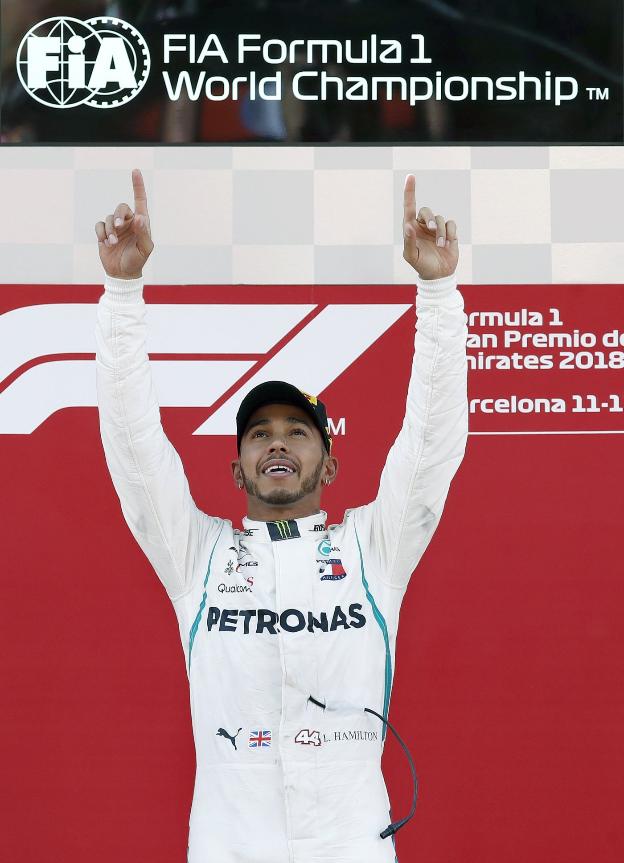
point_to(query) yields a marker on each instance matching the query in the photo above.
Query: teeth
(280, 468)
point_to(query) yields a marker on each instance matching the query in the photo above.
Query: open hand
(429, 243)
(124, 238)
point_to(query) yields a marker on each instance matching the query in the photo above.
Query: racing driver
(288, 626)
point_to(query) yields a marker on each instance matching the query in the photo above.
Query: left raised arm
(430, 446)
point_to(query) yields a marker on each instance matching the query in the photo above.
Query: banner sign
(360, 73)
(547, 358)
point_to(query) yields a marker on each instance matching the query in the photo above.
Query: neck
(259, 510)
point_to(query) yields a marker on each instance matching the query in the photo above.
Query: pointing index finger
(140, 196)
(409, 198)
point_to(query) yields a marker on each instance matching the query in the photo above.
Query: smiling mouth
(278, 471)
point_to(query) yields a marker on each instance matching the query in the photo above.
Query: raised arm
(430, 446)
(145, 468)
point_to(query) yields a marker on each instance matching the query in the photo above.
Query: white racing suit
(280, 611)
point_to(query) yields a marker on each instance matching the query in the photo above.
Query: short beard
(282, 496)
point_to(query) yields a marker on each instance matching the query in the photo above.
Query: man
(288, 627)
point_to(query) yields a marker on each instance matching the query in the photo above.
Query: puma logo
(223, 733)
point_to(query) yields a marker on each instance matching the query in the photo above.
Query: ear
(237, 473)
(330, 470)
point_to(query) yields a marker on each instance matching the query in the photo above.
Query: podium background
(510, 654)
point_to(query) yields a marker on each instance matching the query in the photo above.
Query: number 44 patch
(308, 738)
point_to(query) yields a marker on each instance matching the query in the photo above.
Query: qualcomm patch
(332, 570)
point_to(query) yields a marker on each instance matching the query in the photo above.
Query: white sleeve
(431, 444)
(145, 468)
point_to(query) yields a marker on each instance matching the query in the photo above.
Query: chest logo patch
(326, 548)
(331, 569)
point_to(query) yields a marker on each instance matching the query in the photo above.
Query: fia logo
(63, 62)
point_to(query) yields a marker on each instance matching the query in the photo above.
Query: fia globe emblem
(63, 62)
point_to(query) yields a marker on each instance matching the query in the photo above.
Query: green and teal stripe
(384, 631)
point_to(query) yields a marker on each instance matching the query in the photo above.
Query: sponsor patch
(235, 588)
(326, 548)
(331, 570)
(221, 732)
(260, 620)
(279, 530)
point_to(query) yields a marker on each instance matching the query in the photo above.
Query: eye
(257, 432)
(299, 431)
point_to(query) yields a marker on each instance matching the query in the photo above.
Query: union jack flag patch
(259, 738)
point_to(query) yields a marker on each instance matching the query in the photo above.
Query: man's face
(282, 456)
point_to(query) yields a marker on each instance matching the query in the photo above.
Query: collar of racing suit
(310, 527)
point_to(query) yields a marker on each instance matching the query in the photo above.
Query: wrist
(125, 277)
(434, 289)
(124, 290)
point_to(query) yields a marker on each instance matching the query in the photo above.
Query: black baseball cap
(282, 393)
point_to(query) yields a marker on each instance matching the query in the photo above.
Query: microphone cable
(392, 828)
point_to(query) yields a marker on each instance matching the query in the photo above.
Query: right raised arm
(124, 237)
(145, 468)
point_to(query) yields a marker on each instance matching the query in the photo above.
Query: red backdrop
(510, 655)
